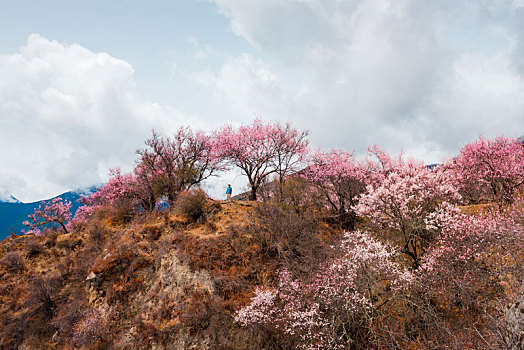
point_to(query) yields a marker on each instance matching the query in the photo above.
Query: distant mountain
(13, 212)
(8, 199)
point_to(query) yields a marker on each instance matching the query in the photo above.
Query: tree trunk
(171, 198)
(253, 193)
(63, 226)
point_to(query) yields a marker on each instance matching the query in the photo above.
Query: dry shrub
(97, 231)
(420, 320)
(120, 291)
(33, 246)
(204, 316)
(210, 227)
(12, 261)
(151, 232)
(118, 256)
(191, 204)
(50, 239)
(69, 243)
(117, 269)
(64, 266)
(409, 323)
(12, 330)
(512, 330)
(290, 239)
(202, 322)
(299, 195)
(39, 308)
(296, 194)
(41, 295)
(144, 331)
(114, 216)
(69, 314)
(196, 310)
(64, 244)
(79, 267)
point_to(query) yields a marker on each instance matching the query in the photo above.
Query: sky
(82, 83)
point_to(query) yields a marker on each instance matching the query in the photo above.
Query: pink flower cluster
(493, 168)
(118, 191)
(406, 196)
(260, 150)
(54, 212)
(88, 330)
(261, 309)
(338, 175)
(465, 243)
(341, 291)
(416, 211)
(402, 201)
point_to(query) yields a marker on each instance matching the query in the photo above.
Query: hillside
(159, 281)
(384, 253)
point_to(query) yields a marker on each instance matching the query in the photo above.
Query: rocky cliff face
(514, 322)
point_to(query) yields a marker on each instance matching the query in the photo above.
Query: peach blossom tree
(54, 212)
(401, 202)
(338, 176)
(335, 308)
(177, 163)
(261, 149)
(494, 169)
(119, 192)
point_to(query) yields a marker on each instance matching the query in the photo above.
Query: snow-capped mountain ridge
(8, 198)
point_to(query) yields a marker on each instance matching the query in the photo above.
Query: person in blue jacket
(229, 190)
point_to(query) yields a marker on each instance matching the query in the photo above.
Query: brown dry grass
(161, 280)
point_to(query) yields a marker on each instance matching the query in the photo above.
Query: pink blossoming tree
(260, 150)
(378, 164)
(402, 201)
(119, 193)
(177, 163)
(338, 176)
(144, 186)
(335, 307)
(54, 212)
(490, 169)
(291, 149)
(465, 257)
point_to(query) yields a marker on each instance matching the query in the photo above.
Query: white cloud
(67, 115)
(420, 76)
(242, 84)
